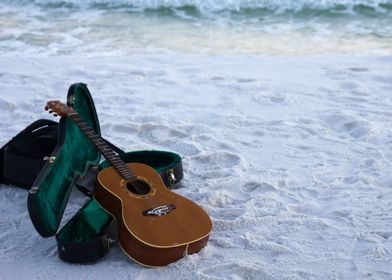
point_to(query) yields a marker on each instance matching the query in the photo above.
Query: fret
(98, 141)
(77, 118)
(111, 154)
(90, 132)
(101, 145)
(82, 125)
(123, 169)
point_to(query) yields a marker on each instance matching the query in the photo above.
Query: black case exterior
(172, 176)
(23, 157)
(89, 251)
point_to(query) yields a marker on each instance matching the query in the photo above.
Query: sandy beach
(290, 156)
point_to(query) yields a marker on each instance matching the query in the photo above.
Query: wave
(224, 5)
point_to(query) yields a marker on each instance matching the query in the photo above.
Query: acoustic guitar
(155, 225)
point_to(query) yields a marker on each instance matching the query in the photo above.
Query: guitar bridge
(160, 210)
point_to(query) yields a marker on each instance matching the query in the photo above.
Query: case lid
(72, 156)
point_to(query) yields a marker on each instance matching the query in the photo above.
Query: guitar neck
(115, 161)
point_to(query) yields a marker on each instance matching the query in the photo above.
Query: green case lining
(86, 225)
(73, 155)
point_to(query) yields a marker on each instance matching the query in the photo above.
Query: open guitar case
(88, 235)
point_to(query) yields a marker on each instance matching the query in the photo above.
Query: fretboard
(115, 161)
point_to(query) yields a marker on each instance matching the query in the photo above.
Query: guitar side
(155, 228)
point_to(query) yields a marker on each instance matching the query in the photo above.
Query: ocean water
(228, 27)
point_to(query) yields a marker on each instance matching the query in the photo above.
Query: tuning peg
(46, 108)
(50, 112)
(55, 115)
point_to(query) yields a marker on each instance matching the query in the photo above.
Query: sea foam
(230, 5)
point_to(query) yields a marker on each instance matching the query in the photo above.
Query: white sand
(291, 157)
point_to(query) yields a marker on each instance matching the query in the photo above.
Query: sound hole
(138, 187)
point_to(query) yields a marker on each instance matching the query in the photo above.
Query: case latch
(71, 100)
(34, 190)
(108, 242)
(51, 159)
(171, 177)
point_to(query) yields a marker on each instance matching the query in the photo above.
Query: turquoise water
(100, 27)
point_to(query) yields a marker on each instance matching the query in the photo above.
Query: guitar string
(113, 159)
(103, 148)
(84, 127)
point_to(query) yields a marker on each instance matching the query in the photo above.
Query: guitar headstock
(58, 108)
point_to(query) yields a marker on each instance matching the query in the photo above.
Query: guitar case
(73, 160)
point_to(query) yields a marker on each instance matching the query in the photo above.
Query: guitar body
(155, 225)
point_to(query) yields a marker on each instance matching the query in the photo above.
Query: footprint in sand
(155, 73)
(219, 164)
(305, 148)
(354, 88)
(339, 74)
(245, 80)
(237, 120)
(6, 106)
(234, 271)
(384, 234)
(387, 80)
(220, 159)
(125, 129)
(159, 133)
(347, 125)
(277, 98)
(268, 97)
(137, 75)
(218, 78)
(257, 187)
(227, 214)
(184, 148)
(359, 69)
